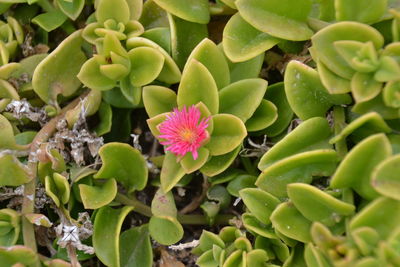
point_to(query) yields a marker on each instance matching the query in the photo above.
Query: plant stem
(194, 219)
(196, 202)
(339, 123)
(29, 189)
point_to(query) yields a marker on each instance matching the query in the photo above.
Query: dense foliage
(255, 132)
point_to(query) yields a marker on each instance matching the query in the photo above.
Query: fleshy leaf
(170, 72)
(190, 10)
(106, 239)
(158, 99)
(7, 140)
(229, 132)
(57, 187)
(306, 95)
(182, 43)
(380, 210)
(56, 74)
(385, 178)
(117, 10)
(334, 83)
(135, 247)
(50, 20)
(171, 172)
(312, 134)
(299, 168)
(242, 98)
(290, 222)
(241, 41)
(323, 44)
(355, 10)
(391, 94)
(208, 54)
(91, 75)
(265, 115)
(260, 203)
(94, 197)
(72, 9)
(190, 165)
(283, 19)
(356, 169)
(247, 69)
(146, 65)
(198, 85)
(317, 205)
(124, 163)
(165, 230)
(364, 87)
(217, 164)
(364, 125)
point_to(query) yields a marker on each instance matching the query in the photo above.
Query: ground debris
(77, 144)
(23, 109)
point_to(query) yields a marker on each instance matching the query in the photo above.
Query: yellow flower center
(188, 135)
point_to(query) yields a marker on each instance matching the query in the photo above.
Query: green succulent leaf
(124, 163)
(388, 70)
(91, 75)
(380, 210)
(158, 100)
(7, 140)
(290, 222)
(106, 234)
(163, 204)
(242, 98)
(105, 117)
(334, 83)
(190, 165)
(276, 95)
(367, 124)
(241, 41)
(299, 168)
(247, 69)
(171, 172)
(57, 187)
(16, 255)
(317, 205)
(240, 182)
(190, 10)
(260, 203)
(170, 72)
(310, 135)
(117, 10)
(50, 20)
(385, 178)
(208, 54)
(306, 95)
(165, 230)
(364, 87)
(323, 44)
(229, 132)
(356, 169)
(135, 247)
(182, 43)
(71, 8)
(252, 224)
(217, 164)
(153, 15)
(94, 197)
(56, 74)
(314, 257)
(9, 228)
(391, 94)
(282, 19)
(265, 115)
(355, 10)
(198, 85)
(146, 65)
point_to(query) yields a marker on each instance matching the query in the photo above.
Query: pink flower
(183, 132)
